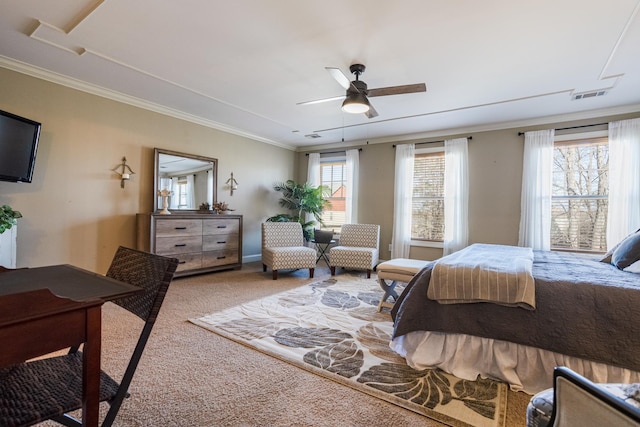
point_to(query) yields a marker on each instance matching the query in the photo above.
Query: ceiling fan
(356, 98)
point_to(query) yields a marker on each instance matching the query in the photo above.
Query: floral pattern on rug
(333, 328)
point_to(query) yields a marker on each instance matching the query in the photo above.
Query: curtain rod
(332, 152)
(431, 142)
(573, 127)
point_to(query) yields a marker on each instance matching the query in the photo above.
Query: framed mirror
(190, 180)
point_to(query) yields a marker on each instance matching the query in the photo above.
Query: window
(181, 191)
(333, 175)
(427, 213)
(579, 197)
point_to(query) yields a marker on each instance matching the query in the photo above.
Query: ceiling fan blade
(372, 112)
(397, 90)
(337, 74)
(318, 101)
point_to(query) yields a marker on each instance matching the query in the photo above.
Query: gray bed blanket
(584, 308)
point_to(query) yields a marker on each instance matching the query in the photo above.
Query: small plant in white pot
(8, 218)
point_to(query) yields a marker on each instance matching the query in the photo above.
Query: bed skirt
(524, 368)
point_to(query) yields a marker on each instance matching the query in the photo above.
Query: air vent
(312, 136)
(585, 95)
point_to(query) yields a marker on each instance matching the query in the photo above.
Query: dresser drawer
(178, 245)
(221, 257)
(189, 261)
(217, 242)
(178, 227)
(220, 226)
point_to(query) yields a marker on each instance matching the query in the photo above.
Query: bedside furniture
(202, 242)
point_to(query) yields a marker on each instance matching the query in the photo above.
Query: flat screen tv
(18, 147)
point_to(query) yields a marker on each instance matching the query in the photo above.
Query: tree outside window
(579, 202)
(427, 217)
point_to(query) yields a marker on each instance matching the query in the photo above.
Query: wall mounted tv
(18, 146)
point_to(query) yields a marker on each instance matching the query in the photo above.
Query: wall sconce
(125, 172)
(232, 183)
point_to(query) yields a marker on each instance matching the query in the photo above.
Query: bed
(586, 316)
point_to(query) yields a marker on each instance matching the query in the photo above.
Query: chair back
(578, 402)
(151, 272)
(282, 234)
(360, 235)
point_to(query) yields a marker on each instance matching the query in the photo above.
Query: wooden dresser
(202, 242)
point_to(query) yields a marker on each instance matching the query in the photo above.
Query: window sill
(427, 244)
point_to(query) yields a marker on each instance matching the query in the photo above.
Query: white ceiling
(243, 65)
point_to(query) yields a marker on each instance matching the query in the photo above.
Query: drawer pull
(180, 228)
(222, 226)
(224, 241)
(180, 244)
(182, 262)
(221, 257)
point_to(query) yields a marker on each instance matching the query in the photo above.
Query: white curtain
(403, 193)
(191, 189)
(535, 206)
(351, 202)
(210, 188)
(456, 195)
(173, 200)
(624, 180)
(313, 178)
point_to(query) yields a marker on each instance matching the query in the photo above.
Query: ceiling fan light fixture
(355, 103)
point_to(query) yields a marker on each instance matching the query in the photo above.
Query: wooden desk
(46, 309)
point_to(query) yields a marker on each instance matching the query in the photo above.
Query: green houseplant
(301, 199)
(8, 218)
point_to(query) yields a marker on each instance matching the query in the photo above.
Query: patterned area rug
(332, 328)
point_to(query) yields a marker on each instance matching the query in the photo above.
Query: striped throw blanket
(485, 273)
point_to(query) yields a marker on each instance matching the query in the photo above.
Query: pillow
(627, 252)
(633, 268)
(607, 257)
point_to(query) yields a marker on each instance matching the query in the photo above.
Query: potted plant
(8, 218)
(301, 199)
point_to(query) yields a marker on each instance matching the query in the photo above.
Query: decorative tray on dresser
(202, 242)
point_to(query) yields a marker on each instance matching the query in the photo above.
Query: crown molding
(50, 76)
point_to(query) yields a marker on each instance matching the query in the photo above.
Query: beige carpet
(191, 377)
(331, 327)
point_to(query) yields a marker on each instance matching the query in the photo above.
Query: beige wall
(75, 211)
(495, 179)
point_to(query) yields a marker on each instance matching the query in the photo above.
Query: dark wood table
(46, 309)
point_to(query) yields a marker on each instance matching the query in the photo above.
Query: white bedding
(526, 368)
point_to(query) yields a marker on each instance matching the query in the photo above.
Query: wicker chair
(357, 248)
(49, 388)
(283, 248)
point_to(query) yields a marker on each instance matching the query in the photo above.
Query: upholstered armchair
(357, 248)
(283, 248)
(574, 401)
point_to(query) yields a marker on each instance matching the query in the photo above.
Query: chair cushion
(289, 257)
(401, 266)
(540, 408)
(353, 257)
